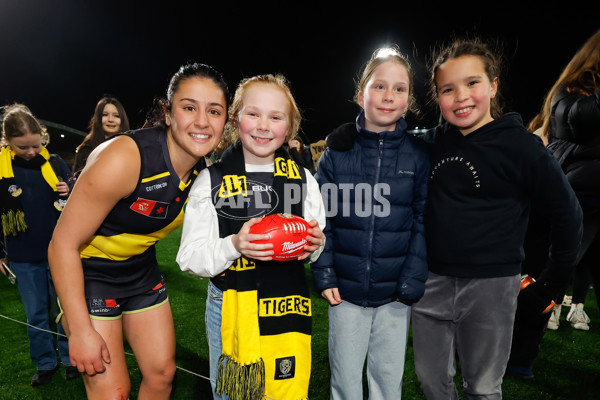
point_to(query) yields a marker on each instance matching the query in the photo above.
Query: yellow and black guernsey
(266, 315)
(120, 259)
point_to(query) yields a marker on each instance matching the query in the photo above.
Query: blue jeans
(39, 299)
(212, 321)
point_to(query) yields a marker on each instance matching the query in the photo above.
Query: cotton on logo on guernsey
(156, 186)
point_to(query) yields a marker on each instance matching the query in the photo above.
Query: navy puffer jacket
(374, 187)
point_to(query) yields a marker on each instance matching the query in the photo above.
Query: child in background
(486, 170)
(32, 195)
(374, 264)
(273, 356)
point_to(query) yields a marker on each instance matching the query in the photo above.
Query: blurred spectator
(571, 124)
(32, 196)
(109, 119)
(301, 154)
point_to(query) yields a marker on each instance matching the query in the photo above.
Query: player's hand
(88, 352)
(242, 242)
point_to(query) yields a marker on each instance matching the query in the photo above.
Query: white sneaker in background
(553, 322)
(567, 301)
(578, 318)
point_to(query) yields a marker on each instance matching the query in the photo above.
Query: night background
(60, 57)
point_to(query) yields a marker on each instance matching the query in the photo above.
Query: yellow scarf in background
(11, 210)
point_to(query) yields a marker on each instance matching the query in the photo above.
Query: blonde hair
(18, 121)
(581, 76)
(232, 133)
(381, 56)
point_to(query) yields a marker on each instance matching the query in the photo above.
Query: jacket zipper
(372, 225)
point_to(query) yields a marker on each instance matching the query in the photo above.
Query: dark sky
(59, 57)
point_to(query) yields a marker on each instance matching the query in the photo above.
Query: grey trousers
(470, 318)
(379, 334)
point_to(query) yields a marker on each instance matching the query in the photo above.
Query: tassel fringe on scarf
(243, 382)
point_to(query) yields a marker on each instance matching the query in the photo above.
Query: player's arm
(111, 173)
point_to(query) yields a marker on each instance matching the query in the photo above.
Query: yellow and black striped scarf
(266, 317)
(13, 217)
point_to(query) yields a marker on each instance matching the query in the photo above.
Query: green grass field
(568, 366)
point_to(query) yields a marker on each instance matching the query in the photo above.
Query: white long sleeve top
(202, 252)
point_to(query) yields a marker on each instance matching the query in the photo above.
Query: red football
(288, 234)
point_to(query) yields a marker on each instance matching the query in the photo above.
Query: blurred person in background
(109, 119)
(33, 190)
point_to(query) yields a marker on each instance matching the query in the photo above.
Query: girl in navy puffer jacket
(373, 178)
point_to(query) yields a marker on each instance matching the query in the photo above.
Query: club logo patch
(60, 204)
(14, 190)
(285, 368)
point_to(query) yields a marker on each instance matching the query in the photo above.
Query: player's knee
(169, 371)
(113, 394)
(113, 391)
(120, 395)
(163, 374)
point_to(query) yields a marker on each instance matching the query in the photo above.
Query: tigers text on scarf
(13, 218)
(267, 314)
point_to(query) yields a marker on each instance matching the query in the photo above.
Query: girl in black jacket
(486, 171)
